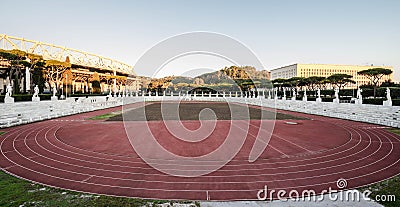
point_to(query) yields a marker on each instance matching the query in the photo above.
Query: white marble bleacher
(376, 114)
(26, 112)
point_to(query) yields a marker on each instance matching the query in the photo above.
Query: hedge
(381, 92)
(84, 95)
(379, 101)
(367, 92)
(324, 93)
(376, 101)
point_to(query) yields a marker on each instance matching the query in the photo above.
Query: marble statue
(294, 94)
(46, 85)
(359, 96)
(284, 94)
(318, 100)
(388, 102)
(54, 97)
(35, 97)
(305, 94)
(336, 100)
(336, 92)
(36, 91)
(8, 98)
(8, 90)
(388, 97)
(54, 91)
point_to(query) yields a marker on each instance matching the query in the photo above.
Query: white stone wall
(26, 112)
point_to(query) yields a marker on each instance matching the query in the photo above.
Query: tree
(16, 88)
(265, 83)
(389, 83)
(295, 81)
(279, 82)
(31, 62)
(36, 62)
(17, 61)
(323, 84)
(340, 80)
(56, 70)
(38, 78)
(313, 82)
(374, 75)
(96, 83)
(67, 78)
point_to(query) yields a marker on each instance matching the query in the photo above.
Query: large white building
(325, 70)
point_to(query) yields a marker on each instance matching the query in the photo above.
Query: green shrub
(373, 101)
(379, 101)
(84, 95)
(381, 92)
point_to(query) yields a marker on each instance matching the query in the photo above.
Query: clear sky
(279, 32)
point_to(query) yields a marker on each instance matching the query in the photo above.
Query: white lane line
(283, 154)
(8, 167)
(133, 162)
(225, 176)
(8, 151)
(236, 170)
(86, 179)
(264, 130)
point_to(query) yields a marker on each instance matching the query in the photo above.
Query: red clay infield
(96, 157)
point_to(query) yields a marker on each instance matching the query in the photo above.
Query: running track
(96, 157)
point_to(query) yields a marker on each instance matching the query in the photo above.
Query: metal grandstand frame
(60, 53)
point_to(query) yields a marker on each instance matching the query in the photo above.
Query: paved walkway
(326, 202)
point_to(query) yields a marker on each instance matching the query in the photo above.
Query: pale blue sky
(279, 32)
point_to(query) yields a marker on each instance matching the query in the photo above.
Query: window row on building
(326, 70)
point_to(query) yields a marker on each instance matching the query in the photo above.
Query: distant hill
(227, 74)
(226, 79)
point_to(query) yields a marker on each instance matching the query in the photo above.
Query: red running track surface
(96, 157)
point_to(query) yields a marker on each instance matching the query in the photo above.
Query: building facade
(326, 70)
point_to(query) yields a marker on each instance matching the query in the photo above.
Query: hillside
(229, 78)
(228, 74)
